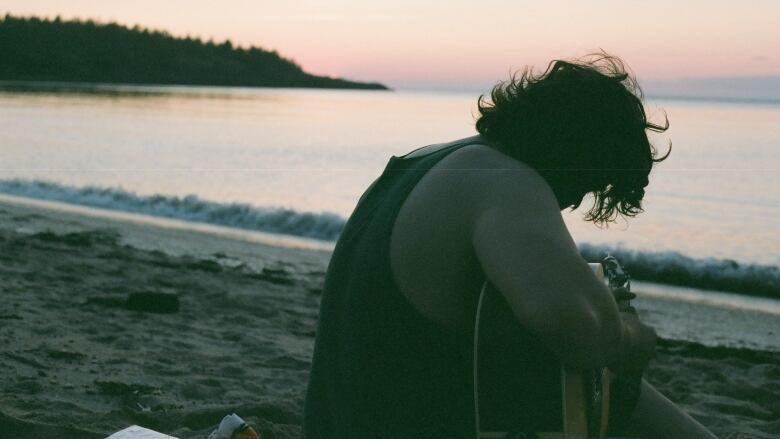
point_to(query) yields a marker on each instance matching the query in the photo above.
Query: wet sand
(81, 361)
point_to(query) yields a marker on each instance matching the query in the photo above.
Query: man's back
(385, 366)
(432, 247)
(378, 364)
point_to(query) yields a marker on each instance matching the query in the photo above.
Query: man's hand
(623, 298)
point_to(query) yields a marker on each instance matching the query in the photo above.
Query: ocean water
(296, 161)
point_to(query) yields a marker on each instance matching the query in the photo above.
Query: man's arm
(526, 252)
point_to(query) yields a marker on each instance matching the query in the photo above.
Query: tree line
(35, 49)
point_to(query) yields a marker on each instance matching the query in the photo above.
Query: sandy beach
(84, 355)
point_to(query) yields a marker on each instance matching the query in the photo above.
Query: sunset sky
(464, 44)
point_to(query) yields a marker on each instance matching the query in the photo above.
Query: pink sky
(460, 44)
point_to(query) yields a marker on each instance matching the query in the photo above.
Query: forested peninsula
(35, 49)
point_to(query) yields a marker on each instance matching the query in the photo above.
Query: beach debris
(233, 427)
(138, 432)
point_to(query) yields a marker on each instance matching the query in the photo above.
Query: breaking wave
(673, 268)
(323, 226)
(666, 267)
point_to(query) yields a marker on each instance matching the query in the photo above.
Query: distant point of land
(44, 50)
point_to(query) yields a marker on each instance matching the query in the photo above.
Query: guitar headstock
(617, 277)
(619, 281)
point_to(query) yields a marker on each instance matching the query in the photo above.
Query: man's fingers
(621, 293)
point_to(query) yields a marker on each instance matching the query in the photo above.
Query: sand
(78, 362)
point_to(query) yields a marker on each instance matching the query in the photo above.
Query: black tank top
(382, 370)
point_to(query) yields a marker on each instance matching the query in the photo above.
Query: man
(393, 356)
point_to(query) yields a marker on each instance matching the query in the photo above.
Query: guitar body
(585, 401)
(585, 396)
(518, 378)
(521, 387)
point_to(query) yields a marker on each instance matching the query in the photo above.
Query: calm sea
(234, 156)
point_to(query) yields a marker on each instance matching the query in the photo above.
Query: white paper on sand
(138, 432)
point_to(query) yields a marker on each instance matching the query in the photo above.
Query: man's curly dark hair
(581, 125)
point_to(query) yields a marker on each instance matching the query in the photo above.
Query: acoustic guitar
(502, 347)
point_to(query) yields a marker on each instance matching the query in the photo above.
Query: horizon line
(135, 88)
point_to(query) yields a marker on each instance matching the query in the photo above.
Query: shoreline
(81, 363)
(135, 223)
(724, 280)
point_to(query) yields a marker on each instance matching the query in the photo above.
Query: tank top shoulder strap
(437, 149)
(402, 172)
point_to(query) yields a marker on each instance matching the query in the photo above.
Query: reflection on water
(24, 89)
(304, 149)
(317, 150)
(61, 88)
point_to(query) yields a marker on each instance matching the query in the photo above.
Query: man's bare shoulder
(461, 220)
(487, 158)
(493, 178)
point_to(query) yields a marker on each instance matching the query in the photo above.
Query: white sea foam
(324, 226)
(674, 268)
